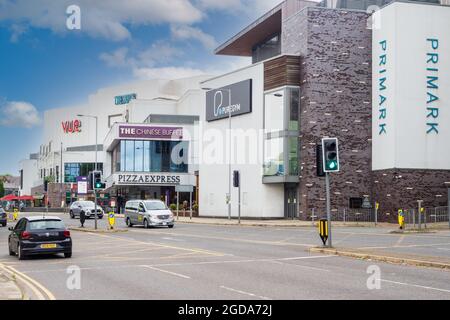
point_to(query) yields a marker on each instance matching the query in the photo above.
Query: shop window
(355, 203)
(153, 156)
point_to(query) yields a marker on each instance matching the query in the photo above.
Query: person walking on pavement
(82, 218)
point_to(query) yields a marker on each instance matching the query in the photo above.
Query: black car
(39, 235)
(3, 218)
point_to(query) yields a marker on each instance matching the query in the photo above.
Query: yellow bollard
(111, 220)
(401, 219)
(15, 214)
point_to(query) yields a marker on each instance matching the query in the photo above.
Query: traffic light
(319, 161)
(330, 155)
(96, 180)
(236, 179)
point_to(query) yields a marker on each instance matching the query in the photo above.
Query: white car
(148, 213)
(88, 207)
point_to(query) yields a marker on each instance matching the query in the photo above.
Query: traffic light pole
(327, 187)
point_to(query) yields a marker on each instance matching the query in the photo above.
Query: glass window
(274, 111)
(155, 205)
(294, 108)
(179, 156)
(138, 156)
(155, 156)
(74, 170)
(146, 156)
(129, 156)
(274, 157)
(122, 156)
(46, 225)
(267, 49)
(293, 156)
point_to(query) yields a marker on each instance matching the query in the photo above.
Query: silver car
(88, 207)
(148, 213)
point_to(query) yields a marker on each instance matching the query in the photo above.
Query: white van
(148, 213)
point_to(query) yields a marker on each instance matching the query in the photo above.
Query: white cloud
(17, 30)
(168, 73)
(187, 33)
(158, 52)
(117, 58)
(100, 18)
(19, 114)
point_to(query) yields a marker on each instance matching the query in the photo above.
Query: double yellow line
(40, 292)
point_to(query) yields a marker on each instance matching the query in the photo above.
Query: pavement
(211, 261)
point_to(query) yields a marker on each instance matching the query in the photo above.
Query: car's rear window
(46, 225)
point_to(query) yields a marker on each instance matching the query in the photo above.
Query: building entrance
(291, 202)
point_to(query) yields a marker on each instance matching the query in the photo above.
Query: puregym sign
(235, 99)
(411, 74)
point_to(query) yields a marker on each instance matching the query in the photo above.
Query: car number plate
(164, 223)
(48, 246)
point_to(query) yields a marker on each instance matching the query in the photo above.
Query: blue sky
(44, 65)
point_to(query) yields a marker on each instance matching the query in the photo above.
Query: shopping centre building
(374, 77)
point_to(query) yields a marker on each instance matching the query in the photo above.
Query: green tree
(2, 189)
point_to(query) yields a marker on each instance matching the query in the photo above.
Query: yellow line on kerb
(38, 289)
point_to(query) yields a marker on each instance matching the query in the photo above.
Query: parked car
(3, 218)
(39, 235)
(148, 213)
(88, 207)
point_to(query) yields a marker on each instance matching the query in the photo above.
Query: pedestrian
(82, 218)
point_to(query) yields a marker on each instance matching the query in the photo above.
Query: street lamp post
(229, 153)
(96, 160)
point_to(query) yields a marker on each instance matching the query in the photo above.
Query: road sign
(323, 230)
(181, 188)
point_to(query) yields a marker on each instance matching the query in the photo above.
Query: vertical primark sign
(410, 105)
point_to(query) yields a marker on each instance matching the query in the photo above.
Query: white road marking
(168, 272)
(443, 249)
(408, 246)
(245, 293)
(415, 285)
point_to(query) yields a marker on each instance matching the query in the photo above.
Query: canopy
(12, 197)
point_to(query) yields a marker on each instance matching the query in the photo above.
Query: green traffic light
(332, 165)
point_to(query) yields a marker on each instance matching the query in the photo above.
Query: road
(195, 261)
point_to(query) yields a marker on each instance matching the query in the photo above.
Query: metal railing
(346, 215)
(429, 216)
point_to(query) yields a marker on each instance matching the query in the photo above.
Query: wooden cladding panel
(281, 72)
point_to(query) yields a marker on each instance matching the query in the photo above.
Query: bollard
(111, 220)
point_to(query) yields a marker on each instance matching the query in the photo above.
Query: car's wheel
(4, 224)
(100, 217)
(11, 253)
(72, 216)
(20, 254)
(146, 225)
(170, 227)
(129, 224)
(68, 255)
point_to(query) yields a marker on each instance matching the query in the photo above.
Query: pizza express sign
(235, 99)
(135, 179)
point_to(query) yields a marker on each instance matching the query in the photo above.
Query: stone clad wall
(336, 89)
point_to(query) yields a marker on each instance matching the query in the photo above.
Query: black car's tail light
(26, 235)
(67, 233)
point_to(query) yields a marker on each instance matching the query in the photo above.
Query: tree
(2, 189)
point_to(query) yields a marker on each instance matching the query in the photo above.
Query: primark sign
(411, 77)
(235, 99)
